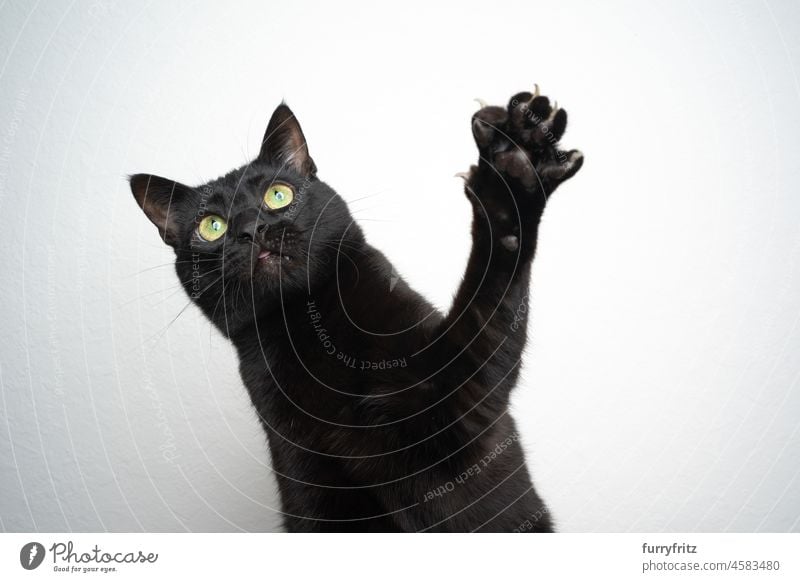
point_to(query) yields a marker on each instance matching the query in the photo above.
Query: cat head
(249, 239)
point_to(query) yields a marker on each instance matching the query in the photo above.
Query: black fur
(381, 413)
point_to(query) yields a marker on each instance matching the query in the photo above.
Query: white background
(660, 390)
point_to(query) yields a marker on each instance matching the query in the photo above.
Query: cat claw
(553, 111)
(481, 102)
(463, 175)
(535, 94)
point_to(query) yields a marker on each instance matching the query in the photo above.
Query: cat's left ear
(285, 144)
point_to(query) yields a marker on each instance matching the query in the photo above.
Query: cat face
(262, 232)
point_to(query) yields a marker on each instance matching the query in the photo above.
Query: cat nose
(251, 225)
(248, 225)
(247, 232)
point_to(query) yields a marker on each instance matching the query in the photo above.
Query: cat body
(381, 413)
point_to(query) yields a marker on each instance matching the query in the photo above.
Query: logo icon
(31, 555)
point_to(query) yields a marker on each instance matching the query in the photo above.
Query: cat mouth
(272, 259)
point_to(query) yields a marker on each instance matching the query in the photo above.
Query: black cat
(381, 413)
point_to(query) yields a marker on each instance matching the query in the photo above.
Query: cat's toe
(488, 125)
(564, 167)
(551, 130)
(526, 110)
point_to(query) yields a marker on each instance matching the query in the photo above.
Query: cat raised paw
(521, 142)
(520, 166)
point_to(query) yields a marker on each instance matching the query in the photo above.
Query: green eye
(278, 196)
(211, 228)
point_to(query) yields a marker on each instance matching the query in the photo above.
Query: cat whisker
(341, 242)
(173, 263)
(366, 197)
(206, 254)
(174, 288)
(151, 293)
(164, 330)
(216, 305)
(360, 210)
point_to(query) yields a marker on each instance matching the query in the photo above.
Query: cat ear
(285, 144)
(161, 200)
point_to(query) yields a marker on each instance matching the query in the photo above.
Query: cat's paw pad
(510, 242)
(521, 141)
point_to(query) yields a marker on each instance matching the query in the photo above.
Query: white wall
(660, 391)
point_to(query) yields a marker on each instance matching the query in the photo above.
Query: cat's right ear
(160, 199)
